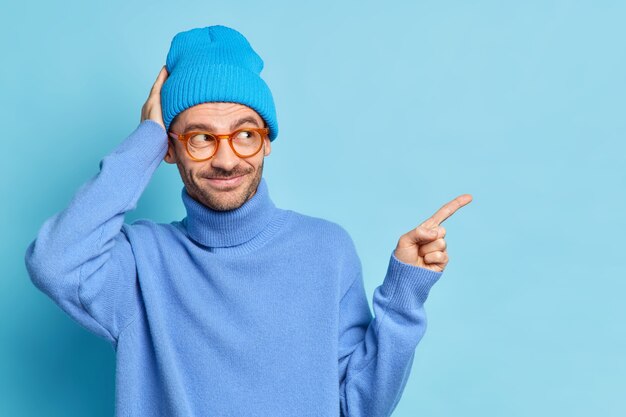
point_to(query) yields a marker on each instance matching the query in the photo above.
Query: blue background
(386, 112)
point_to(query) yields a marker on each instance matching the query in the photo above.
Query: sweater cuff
(407, 286)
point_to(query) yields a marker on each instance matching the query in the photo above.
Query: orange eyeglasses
(201, 145)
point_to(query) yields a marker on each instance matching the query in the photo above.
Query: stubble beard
(223, 200)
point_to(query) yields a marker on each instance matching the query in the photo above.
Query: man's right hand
(152, 107)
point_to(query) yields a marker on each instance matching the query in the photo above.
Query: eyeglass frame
(184, 138)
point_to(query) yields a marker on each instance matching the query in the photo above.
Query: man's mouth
(229, 182)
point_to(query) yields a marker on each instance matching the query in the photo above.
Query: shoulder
(331, 244)
(318, 224)
(320, 229)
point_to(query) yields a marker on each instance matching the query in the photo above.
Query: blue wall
(386, 112)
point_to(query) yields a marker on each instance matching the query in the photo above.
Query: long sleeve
(376, 354)
(81, 257)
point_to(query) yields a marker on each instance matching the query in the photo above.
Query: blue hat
(215, 63)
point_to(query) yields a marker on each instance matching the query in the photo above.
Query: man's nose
(224, 157)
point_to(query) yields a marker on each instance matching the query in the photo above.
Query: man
(241, 308)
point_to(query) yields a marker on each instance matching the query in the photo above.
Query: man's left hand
(425, 245)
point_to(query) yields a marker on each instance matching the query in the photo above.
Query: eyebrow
(233, 126)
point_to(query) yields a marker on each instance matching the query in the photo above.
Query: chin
(218, 204)
(228, 199)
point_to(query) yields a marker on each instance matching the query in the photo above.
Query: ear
(268, 146)
(170, 156)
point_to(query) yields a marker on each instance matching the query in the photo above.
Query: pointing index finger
(448, 210)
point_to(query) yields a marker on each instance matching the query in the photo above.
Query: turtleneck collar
(228, 228)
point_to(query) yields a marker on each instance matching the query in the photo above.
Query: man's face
(225, 181)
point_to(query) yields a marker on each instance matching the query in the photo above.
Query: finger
(422, 235)
(438, 257)
(434, 246)
(441, 231)
(447, 210)
(156, 87)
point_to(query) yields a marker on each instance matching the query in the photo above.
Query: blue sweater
(258, 311)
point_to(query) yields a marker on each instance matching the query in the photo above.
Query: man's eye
(201, 139)
(244, 134)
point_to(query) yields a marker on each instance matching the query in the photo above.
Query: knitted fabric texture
(254, 312)
(215, 64)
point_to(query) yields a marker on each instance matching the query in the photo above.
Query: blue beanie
(215, 63)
